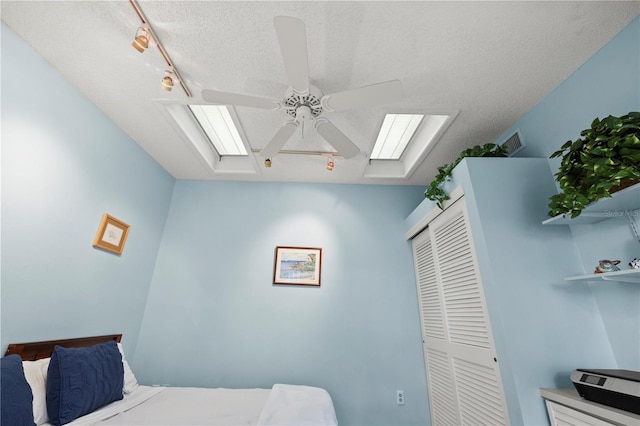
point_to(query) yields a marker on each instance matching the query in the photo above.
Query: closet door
(462, 371)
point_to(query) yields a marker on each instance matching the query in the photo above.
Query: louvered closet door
(462, 374)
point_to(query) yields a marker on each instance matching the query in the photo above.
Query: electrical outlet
(400, 397)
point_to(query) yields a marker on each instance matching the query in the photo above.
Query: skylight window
(405, 140)
(219, 127)
(394, 136)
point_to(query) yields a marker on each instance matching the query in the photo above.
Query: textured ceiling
(491, 61)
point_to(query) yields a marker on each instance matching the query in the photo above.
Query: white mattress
(284, 404)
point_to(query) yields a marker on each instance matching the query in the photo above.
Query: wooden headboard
(37, 350)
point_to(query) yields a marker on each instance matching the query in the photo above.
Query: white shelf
(603, 209)
(626, 275)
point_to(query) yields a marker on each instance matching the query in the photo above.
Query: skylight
(219, 127)
(405, 140)
(394, 136)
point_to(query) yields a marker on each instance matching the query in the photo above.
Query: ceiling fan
(304, 102)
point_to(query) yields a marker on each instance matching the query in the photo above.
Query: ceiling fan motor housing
(293, 100)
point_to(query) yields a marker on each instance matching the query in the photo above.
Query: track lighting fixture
(330, 164)
(167, 83)
(169, 80)
(143, 38)
(267, 163)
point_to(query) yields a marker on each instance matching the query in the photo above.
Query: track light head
(169, 79)
(140, 43)
(143, 39)
(330, 164)
(167, 83)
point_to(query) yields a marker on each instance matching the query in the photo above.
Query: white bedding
(133, 399)
(297, 405)
(281, 405)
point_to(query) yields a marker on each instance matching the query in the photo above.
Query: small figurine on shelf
(635, 263)
(606, 266)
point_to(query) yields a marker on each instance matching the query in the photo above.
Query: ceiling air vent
(513, 144)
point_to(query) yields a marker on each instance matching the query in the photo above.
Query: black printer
(615, 388)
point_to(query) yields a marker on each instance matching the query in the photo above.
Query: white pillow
(36, 374)
(130, 382)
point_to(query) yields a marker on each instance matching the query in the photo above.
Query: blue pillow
(16, 398)
(81, 380)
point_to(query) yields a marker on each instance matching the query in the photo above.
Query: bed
(87, 381)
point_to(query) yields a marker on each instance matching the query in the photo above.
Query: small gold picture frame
(112, 234)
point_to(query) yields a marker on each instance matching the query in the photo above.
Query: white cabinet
(462, 372)
(559, 415)
(566, 407)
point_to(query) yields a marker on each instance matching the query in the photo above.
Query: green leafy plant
(604, 159)
(434, 190)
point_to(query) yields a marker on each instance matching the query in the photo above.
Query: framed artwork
(297, 266)
(112, 234)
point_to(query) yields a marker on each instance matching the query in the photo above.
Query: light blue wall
(214, 318)
(543, 328)
(608, 83)
(357, 335)
(64, 164)
(548, 327)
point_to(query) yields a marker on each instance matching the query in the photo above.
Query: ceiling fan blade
(381, 93)
(224, 98)
(293, 47)
(279, 139)
(336, 138)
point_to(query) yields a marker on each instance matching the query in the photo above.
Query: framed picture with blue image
(297, 266)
